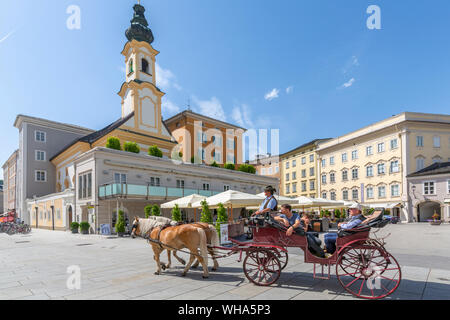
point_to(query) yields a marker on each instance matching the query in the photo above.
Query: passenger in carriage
(356, 218)
(289, 219)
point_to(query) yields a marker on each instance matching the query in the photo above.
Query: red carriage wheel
(368, 272)
(262, 267)
(283, 256)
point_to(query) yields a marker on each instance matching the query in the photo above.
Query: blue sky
(234, 59)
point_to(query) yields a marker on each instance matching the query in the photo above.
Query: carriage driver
(270, 203)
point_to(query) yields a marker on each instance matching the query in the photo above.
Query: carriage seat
(375, 220)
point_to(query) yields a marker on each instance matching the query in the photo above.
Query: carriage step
(322, 275)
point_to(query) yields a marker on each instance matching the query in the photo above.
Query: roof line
(201, 115)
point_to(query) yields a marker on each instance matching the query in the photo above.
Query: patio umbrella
(231, 199)
(185, 203)
(281, 200)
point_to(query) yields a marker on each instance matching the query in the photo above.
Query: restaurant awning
(183, 203)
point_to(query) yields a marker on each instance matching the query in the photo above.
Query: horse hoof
(205, 277)
(214, 269)
(183, 262)
(157, 273)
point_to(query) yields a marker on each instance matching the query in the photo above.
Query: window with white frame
(304, 160)
(304, 173)
(263, 171)
(344, 175)
(271, 172)
(381, 147)
(354, 154)
(324, 163)
(332, 177)
(395, 190)
(369, 171)
(41, 176)
(333, 195)
(155, 182)
(287, 176)
(40, 155)
(40, 136)
(324, 178)
(395, 167)
(311, 158)
(294, 187)
(369, 151)
(428, 188)
(312, 185)
(226, 187)
(287, 165)
(331, 161)
(419, 141)
(394, 144)
(230, 144)
(294, 175)
(420, 163)
(344, 157)
(120, 178)
(85, 186)
(382, 192)
(206, 186)
(381, 169)
(369, 192)
(324, 195)
(354, 174)
(437, 141)
(345, 194)
(277, 169)
(303, 186)
(355, 194)
(288, 188)
(180, 184)
(311, 172)
(294, 163)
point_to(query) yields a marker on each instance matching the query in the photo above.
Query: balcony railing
(124, 190)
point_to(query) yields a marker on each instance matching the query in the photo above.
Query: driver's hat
(356, 205)
(270, 189)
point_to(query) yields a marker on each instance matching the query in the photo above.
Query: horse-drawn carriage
(363, 266)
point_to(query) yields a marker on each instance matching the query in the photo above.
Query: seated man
(288, 218)
(356, 218)
(305, 223)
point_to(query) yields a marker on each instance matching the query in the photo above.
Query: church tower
(139, 93)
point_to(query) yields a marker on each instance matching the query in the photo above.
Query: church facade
(85, 181)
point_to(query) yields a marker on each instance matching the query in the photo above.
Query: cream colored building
(370, 165)
(299, 171)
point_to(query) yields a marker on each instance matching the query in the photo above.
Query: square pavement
(35, 268)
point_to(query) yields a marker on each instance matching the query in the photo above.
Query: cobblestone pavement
(35, 267)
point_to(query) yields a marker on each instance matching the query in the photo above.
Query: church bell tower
(139, 92)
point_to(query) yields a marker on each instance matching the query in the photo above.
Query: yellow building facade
(299, 171)
(370, 165)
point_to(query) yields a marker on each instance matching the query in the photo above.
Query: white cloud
(355, 61)
(289, 89)
(349, 83)
(169, 108)
(7, 36)
(210, 108)
(165, 78)
(272, 94)
(242, 116)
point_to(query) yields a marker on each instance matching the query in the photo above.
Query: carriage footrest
(322, 274)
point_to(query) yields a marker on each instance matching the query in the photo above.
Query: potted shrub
(148, 211)
(176, 214)
(84, 227)
(120, 225)
(74, 227)
(436, 220)
(156, 212)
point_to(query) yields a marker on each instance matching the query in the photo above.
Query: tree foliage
(248, 168)
(131, 147)
(206, 213)
(155, 151)
(156, 212)
(176, 214)
(113, 143)
(148, 211)
(230, 166)
(222, 217)
(120, 225)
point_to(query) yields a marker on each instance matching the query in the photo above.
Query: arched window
(145, 66)
(130, 66)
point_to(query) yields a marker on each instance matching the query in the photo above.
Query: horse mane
(146, 225)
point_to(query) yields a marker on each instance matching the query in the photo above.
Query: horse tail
(215, 242)
(203, 245)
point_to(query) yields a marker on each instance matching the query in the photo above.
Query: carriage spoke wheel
(262, 267)
(368, 272)
(283, 257)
